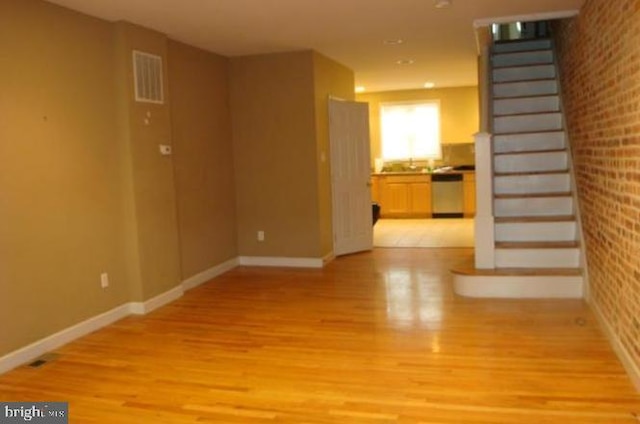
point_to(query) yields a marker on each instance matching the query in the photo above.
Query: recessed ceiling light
(442, 4)
(429, 84)
(393, 41)
(360, 89)
(405, 62)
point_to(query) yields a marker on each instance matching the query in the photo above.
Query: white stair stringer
(537, 251)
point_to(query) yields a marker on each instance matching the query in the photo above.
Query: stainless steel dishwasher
(447, 198)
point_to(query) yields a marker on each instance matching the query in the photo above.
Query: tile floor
(423, 233)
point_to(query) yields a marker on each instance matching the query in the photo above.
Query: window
(410, 130)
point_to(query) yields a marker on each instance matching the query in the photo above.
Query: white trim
(546, 16)
(281, 261)
(54, 341)
(206, 275)
(518, 287)
(633, 371)
(141, 308)
(328, 258)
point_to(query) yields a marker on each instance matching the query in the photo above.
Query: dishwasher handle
(446, 177)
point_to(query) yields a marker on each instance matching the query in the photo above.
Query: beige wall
(459, 115)
(154, 230)
(61, 208)
(202, 156)
(600, 74)
(330, 79)
(272, 98)
(84, 187)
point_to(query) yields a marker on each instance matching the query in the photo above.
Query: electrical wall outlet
(104, 280)
(260, 235)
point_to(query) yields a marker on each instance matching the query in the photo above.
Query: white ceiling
(441, 42)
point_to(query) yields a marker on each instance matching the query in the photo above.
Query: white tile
(423, 233)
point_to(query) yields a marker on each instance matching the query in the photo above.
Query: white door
(351, 176)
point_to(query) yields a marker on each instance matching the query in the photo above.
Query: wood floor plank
(377, 337)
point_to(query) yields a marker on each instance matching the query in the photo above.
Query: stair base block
(505, 284)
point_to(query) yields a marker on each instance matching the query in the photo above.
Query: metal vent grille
(147, 69)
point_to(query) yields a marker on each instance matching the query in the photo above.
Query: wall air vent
(147, 70)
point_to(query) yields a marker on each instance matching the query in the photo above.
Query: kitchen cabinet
(405, 196)
(469, 193)
(409, 195)
(375, 189)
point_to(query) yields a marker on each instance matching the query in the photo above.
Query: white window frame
(412, 153)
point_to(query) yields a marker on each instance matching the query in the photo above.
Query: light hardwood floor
(377, 337)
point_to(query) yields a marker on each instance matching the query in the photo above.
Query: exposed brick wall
(599, 58)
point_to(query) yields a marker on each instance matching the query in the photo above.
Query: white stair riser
(519, 287)
(522, 58)
(528, 142)
(523, 73)
(522, 184)
(527, 123)
(522, 46)
(538, 258)
(525, 88)
(535, 231)
(533, 206)
(526, 105)
(531, 162)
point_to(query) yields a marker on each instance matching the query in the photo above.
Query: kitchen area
(426, 202)
(420, 206)
(424, 191)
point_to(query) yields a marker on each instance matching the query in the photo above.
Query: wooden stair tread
(494, 66)
(535, 132)
(533, 195)
(529, 219)
(527, 80)
(508, 174)
(536, 244)
(529, 152)
(542, 112)
(519, 272)
(526, 132)
(528, 96)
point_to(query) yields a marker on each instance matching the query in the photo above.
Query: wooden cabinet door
(375, 189)
(397, 198)
(420, 194)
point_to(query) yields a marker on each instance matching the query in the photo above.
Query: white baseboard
(141, 308)
(34, 350)
(204, 276)
(328, 258)
(623, 354)
(281, 261)
(54, 341)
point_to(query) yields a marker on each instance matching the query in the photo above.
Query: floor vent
(44, 359)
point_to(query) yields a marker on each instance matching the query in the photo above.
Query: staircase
(537, 251)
